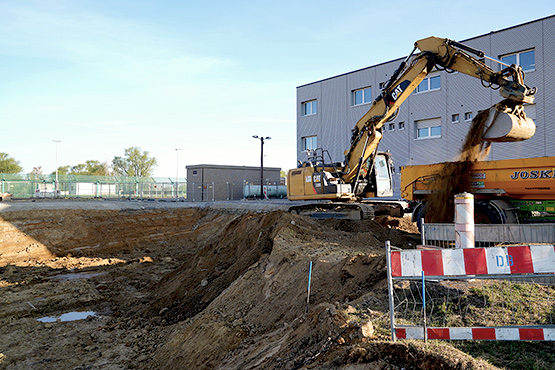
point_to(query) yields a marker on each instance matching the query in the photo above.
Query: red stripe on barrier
(531, 334)
(520, 260)
(475, 261)
(438, 333)
(432, 262)
(483, 334)
(401, 333)
(396, 264)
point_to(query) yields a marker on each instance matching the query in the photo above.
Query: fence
(44, 186)
(76, 186)
(443, 235)
(467, 294)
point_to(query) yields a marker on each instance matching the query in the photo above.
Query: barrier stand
(390, 290)
(464, 220)
(424, 306)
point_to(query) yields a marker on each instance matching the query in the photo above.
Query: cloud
(87, 38)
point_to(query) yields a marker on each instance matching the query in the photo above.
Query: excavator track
(349, 211)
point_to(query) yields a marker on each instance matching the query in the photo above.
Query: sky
(199, 76)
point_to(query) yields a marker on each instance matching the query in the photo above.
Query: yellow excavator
(339, 189)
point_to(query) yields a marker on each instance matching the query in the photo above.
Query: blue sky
(201, 76)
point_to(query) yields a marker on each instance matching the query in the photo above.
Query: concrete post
(464, 220)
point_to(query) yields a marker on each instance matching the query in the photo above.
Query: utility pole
(262, 138)
(177, 175)
(56, 183)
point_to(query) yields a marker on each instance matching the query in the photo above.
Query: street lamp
(56, 185)
(261, 163)
(177, 175)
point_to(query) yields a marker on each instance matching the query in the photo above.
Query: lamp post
(262, 138)
(56, 183)
(177, 175)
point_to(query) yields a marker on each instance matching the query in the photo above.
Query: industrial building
(210, 182)
(434, 120)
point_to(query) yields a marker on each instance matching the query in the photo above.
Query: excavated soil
(184, 288)
(453, 178)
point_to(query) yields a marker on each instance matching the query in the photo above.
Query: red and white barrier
(484, 333)
(529, 259)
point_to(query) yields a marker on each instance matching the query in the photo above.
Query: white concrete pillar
(464, 220)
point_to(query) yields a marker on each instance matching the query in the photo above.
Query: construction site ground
(177, 285)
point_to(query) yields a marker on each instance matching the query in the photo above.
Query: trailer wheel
(493, 212)
(418, 214)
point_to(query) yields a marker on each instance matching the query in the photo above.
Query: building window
(392, 126)
(310, 142)
(428, 128)
(361, 96)
(455, 118)
(525, 59)
(401, 125)
(309, 107)
(468, 116)
(429, 84)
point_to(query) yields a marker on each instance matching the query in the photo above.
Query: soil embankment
(200, 289)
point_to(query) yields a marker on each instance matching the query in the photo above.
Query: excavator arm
(507, 119)
(366, 172)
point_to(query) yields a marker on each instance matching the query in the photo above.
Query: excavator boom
(508, 122)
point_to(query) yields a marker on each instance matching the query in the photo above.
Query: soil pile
(258, 316)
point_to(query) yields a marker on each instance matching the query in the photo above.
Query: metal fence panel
(82, 186)
(444, 234)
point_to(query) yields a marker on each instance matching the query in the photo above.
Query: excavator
(341, 189)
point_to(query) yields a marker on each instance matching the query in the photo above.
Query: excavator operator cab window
(383, 177)
(382, 170)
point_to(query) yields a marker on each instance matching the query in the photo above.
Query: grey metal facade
(458, 94)
(211, 182)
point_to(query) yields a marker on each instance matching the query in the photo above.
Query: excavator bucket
(506, 123)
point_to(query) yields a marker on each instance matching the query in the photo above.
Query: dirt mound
(199, 289)
(252, 302)
(217, 263)
(244, 294)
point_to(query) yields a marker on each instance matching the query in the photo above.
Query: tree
(63, 170)
(89, 168)
(36, 173)
(135, 163)
(8, 164)
(97, 168)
